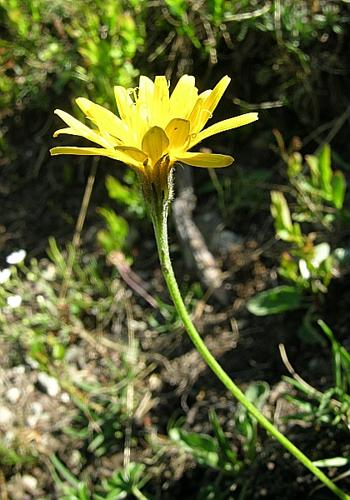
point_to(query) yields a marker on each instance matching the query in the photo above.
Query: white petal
(16, 257)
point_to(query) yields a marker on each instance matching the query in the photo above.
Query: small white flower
(16, 257)
(40, 300)
(304, 270)
(321, 253)
(49, 273)
(5, 275)
(14, 301)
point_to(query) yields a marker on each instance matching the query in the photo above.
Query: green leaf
(204, 448)
(295, 165)
(65, 473)
(332, 462)
(58, 351)
(280, 212)
(341, 358)
(325, 169)
(120, 193)
(302, 387)
(224, 445)
(114, 237)
(56, 255)
(125, 482)
(257, 393)
(128, 196)
(338, 189)
(275, 301)
(194, 440)
(284, 227)
(312, 162)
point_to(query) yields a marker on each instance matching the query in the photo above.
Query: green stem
(138, 494)
(161, 233)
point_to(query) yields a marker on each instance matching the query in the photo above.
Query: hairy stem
(161, 233)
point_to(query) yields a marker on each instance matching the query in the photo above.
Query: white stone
(155, 382)
(33, 363)
(32, 420)
(18, 370)
(36, 410)
(29, 483)
(6, 417)
(49, 384)
(13, 394)
(65, 398)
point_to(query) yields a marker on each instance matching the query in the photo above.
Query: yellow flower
(154, 129)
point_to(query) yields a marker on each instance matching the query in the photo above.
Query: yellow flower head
(154, 129)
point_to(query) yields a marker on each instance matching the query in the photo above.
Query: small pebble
(48, 384)
(36, 410)
(32, 363)
(29, 483)
(65, 398)
(18, 370)
(155, 382)
(6, 417)
(75, 354)
(13, 394)
(137, 325)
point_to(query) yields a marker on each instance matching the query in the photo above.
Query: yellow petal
(208, 101)
(68, 150)
(103, 118)
(160, 103)
(134, 153)
(198, 116)
(183, 97)
(230, 123)
(124, 102)
(67, 130)
(80, 129)
(155, 143)
(161, 89)
(177, 131)
(109, 153)
(146, 89)
(205, 160)
(70, 120)
(205, 94)
(144, 105)
(109, 142)
(215, 95)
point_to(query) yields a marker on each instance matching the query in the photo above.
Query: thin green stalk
(161, 233)
(138, 494)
